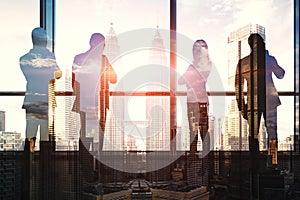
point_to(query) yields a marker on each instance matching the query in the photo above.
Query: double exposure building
(235, 135)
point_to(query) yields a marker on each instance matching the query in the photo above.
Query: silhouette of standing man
(93, 72)
(38, 67)
(262, 97)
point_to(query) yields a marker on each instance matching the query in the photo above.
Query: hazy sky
(76, 20)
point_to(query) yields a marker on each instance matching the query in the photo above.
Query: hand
(57, 74)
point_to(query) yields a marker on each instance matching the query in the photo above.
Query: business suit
(262, 97)
(38, 67)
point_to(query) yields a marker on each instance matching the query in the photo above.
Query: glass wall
(123, 29)
(139, 109)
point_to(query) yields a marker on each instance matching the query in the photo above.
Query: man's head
(255, 39)
(97, 39)
(39, 37)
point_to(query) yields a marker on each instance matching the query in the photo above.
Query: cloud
(255, 11)
(216, 7)
(210, 21)
(39, 62)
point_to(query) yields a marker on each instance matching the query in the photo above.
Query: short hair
(200, 42)
(255, 37)
(96, 39)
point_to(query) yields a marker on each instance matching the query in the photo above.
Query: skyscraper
(64, 115)
(114, 135)
(182, 138)
(158, 107)
(212, 129)
(112, 48)
(10, 141)
(2, 120)
(236, 135)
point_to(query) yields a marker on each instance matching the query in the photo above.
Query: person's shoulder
(27, 55)
(245, 60)
(191, 67)
(24, 57)
(79, 59)
(104, 57)
(270, 57)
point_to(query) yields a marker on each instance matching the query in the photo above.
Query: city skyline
(146, 151)
(115, 14)
(65, 86)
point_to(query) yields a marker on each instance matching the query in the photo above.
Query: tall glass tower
(158, 107)
(114, 129)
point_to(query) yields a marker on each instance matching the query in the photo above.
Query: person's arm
(239, 86)
(109, 70)
(183, 79)
(277, 70)
(112, 74)
(207, 71)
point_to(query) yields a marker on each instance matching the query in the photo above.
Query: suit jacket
(38, 67)
(272, 67)
(252, 70)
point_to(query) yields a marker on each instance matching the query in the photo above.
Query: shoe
(273, 151)
(31, 145)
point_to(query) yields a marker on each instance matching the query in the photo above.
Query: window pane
(225, 27)
(285, 125)
(125, 24)
(18, 20)
(12, 124)
(214, 22)
(74, 29)
(229, 128)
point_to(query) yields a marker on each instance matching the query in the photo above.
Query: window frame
(47, 21)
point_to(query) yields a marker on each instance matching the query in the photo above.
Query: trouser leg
(271, 125)
(203, 124)
(193, 117)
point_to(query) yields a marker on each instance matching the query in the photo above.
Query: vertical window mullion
(173, 49)
(296, 78)
(47, 20)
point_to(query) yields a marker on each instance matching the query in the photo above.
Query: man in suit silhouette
(38, 67)
(262, 97)
(94, 72)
